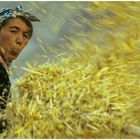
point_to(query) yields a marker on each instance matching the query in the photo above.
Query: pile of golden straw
(95, 93)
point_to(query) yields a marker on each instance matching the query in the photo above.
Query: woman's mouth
(16, 50)
(13, 53)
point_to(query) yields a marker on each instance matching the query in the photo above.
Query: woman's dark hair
(28, 23)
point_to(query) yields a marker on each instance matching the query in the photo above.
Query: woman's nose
(19, 40)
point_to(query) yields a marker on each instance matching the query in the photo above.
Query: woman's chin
(11, 58)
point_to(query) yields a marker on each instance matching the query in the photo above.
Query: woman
(15, 31)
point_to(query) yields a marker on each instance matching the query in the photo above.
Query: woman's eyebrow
(14, 27)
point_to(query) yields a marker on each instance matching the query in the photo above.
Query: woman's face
(14, 36)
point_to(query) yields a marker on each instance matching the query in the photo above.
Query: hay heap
(93, 94)
(90, 96)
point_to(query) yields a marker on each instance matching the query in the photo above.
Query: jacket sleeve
(4, 87)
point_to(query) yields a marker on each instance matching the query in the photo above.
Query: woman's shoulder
(4, 77)
(2, 69)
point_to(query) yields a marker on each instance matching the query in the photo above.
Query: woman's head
(14, 36)
(15, 31)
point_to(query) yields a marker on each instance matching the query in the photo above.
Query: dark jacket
(4, 87)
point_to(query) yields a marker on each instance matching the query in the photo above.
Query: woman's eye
(26, 35)
(13, 31)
